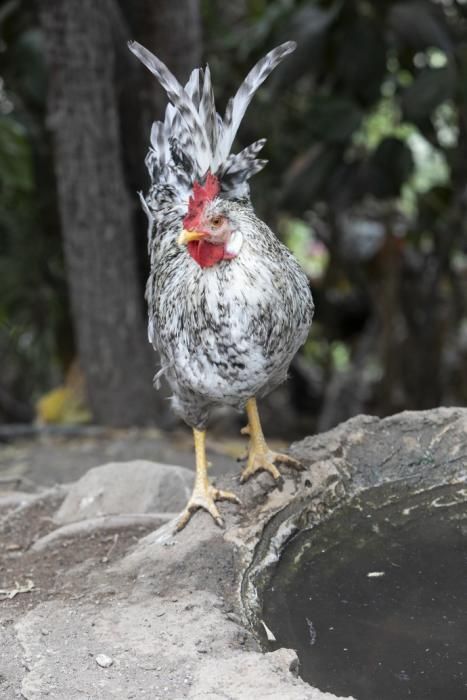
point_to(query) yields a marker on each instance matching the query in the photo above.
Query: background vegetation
(367, 143)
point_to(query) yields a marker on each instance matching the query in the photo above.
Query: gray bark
(171, 30)
(96, 213)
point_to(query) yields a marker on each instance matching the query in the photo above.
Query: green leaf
(15, 156)
(430, 88)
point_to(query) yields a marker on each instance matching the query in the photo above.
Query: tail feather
(193, 139)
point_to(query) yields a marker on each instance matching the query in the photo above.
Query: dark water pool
(374, 600)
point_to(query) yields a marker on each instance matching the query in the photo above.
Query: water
(375, 599)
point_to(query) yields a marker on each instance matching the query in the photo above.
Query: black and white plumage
(227, 330)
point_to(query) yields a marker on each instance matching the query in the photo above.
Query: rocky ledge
(100, 600)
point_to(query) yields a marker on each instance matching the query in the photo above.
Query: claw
(263, 460)
(205, 499)
(260, 457)
(291, 461)
(227, 496)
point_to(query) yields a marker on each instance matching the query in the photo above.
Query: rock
(104, 661)
(126, 487)
(252, 675)
(14, 499)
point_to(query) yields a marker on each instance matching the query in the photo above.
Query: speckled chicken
(229, 306)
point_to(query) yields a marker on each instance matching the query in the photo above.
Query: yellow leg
(204, 494)
(260, 457)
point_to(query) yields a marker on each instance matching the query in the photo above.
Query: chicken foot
(204, 494)
(260, 457)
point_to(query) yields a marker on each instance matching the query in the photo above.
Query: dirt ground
(28, 578)
(36, 465)
(39, 465)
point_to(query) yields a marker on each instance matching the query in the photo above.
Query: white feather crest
(193, 139)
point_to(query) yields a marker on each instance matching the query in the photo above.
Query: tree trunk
(173, 32)
(96, 213)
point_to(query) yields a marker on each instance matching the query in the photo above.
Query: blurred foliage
(66, 403)
(35, 331)
(367, 141)
(366, 126)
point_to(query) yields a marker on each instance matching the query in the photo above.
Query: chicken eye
(216, 221)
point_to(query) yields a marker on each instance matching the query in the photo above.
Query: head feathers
(193, 140)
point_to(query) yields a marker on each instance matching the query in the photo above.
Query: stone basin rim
(285, 526)
(342, 480)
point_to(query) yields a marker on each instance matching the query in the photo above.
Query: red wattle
(206, 254)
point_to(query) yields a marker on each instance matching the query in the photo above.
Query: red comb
(202, 194)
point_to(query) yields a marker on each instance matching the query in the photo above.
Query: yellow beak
(187, 236)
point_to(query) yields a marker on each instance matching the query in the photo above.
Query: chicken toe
(264, 460)
(260, 457)
(204, 494)
(206, 498)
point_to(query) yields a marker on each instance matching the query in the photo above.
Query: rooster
(229, 306)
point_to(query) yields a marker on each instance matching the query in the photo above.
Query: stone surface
(252, 675)
(127, 487)
(178, 614)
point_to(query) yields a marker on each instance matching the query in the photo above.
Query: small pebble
(104, 661)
